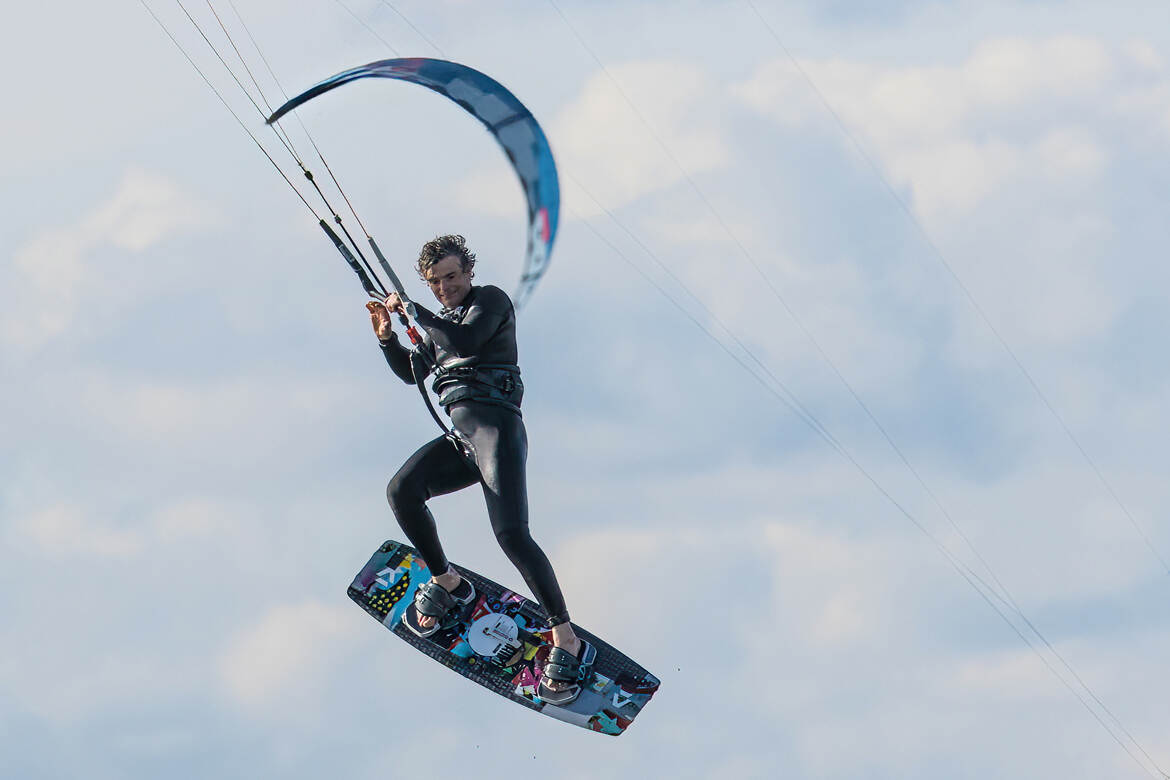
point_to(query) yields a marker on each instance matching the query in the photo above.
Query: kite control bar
(396, 283)
(376, 290)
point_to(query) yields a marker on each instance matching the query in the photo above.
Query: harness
(497, 384)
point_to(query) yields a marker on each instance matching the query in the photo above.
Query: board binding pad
(504, 623)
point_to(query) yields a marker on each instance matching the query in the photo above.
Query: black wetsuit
(471, 351)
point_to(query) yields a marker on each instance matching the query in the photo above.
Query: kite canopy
(512, 125)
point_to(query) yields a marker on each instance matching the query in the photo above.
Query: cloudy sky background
(873, 198)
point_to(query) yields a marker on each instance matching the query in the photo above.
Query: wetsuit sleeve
(398, 358)
(484, 316)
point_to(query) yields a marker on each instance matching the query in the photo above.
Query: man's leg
(436, 469)
(501, 451)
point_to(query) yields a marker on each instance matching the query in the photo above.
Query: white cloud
(958, 136)
(702, 228)
(53, 277)
(1143, 54)
(1053, 533)
(807, 562)
(603, 144)
(1071, 153)
(63, 529)
(597, 567)
(1137, 103)
(779, 90)
(196, 517)
(210, 414)
(1010, 72)
(949, 178)
(885, 104)
(818, 585)
(287, 656)
(1014, 674)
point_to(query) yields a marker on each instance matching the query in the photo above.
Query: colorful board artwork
(608, 704)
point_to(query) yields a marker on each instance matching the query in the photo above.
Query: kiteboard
(500, 642)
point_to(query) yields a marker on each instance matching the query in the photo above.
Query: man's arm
(397, 356)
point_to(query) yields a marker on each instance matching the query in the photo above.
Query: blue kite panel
(512, 125)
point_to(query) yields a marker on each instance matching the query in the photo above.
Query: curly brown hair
(444, 246)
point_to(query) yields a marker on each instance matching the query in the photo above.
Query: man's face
(448, 281)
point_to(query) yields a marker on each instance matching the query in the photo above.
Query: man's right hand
(394, 303)
(381, 320)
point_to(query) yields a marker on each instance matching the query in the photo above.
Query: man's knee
(515, 541)
(400, 495)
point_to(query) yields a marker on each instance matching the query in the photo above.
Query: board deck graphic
(499, 617)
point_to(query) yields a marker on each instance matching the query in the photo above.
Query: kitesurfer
(469, 347)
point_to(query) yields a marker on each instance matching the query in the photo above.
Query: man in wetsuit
(470, 348)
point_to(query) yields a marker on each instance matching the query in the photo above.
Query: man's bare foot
(564, 638)
(449, 581)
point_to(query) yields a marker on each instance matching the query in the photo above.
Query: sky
(845, 387)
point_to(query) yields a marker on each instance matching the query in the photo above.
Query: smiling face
(449, 281)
